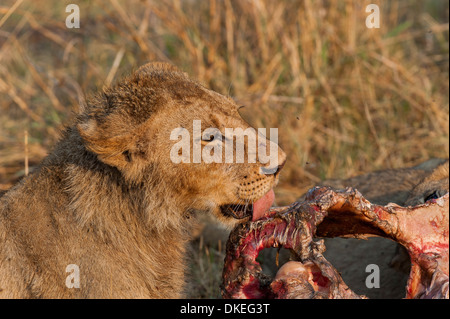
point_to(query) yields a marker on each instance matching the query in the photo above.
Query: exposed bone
(423, 230)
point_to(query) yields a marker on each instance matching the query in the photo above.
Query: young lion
(109, 211)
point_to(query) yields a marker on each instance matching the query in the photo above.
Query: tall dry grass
(346, 99)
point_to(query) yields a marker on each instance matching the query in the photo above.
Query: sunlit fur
(109, 199)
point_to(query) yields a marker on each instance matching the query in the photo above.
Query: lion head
(186, 145)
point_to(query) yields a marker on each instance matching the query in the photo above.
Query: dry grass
(346, 99)
(205, 273)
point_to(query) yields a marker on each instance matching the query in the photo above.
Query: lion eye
(213, 135)
(208, 138)
(433, 195)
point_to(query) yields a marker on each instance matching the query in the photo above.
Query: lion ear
(112, 150)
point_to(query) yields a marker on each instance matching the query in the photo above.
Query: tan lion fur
(109, 199)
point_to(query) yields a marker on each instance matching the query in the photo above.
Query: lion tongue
(261, 206)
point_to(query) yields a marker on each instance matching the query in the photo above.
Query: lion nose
(277, 159)
(281, 161)
(279, 168)
(273, 170)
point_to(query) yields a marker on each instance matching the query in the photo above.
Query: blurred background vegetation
(346, 99)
